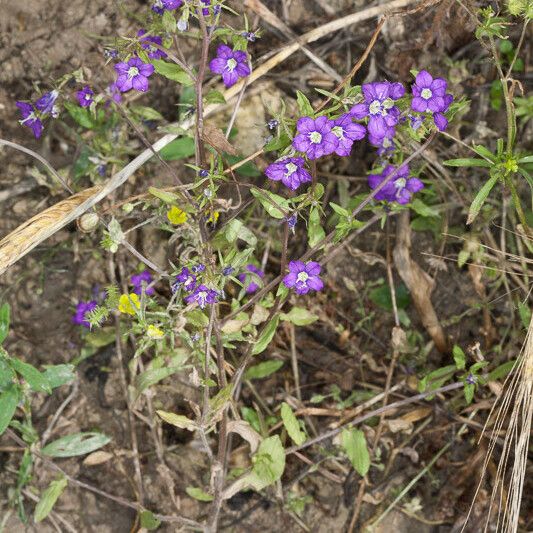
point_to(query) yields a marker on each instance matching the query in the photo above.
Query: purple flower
(200, 267)
(227, 271)
(290, 171)
(110, 53)
(133, 75)
(399, 189)
(186, 279)
(46, 104)
(248, 279)
(291, 221)
(303, 277)
(416, 121)
(114, 92)
(347, 132)
(30, 119)
(85, 96)
(272, 124)
(202, 296)
(315, 137)
(378, 106)
(160, 6)
(153, 51)
(232, 64)
(140, 280)
(82, 309)
(205, 10)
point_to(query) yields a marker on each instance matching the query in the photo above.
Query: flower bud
(88, 222)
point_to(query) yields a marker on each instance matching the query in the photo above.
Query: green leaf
(266, 337)
(354, 444)
(199, 494)
(501, 371)
(459, 357)
(469, 391)
(169, 22)
(4, 322)
(81, 115)
(178, 149)
(7, 374)
(76, 444)
(424, 210)
(484, 152)
(467, 162)
(249, 169)
(525, 160)
(49, 498)
(197, 318)
(304, 105)
(36, 380)
(150, 377)
(9, 399)
(299, 316)
(292, 425)
(172, 72)
(180, 421)
(480, 198)
(268, 463)
(277, 143)
(215, 97)
(525, 314)
(148, 520)
(148, 113)
(58, 375)
(237, 230)
(101, 337)
(165, 196)
(381, 296)
(315, 231)
(264, 369)
(269, 201)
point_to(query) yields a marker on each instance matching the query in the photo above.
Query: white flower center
(400, 183)
(231, 64)
(426, 94)
(189, 280)
(315, 137)
(338, 131)
(375, 107)
(132, 72)
(31, 116)
(303, 277)
(291, 169)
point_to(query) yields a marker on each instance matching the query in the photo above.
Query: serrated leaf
(292, 425)
(36, 380)
(480, 198)
(178, 149)
(4, 322)
(180, 421)
(76, 444)
(263, 370)
(266, 336)
(49, 498)
(199, 494)
(9, 399)
(172, 72)
(354, 444)
(299, 316)
(459, 357)
(148, 520)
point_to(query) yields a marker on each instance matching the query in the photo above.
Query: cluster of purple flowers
(142, 281)
(187, 280)
(82, 310)
(231, 64)
(33, 114)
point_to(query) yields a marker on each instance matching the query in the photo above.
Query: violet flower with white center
(231, 64)
(153, 51)
(378, 106)
(133, 75)
(29, 118)
(82, 309)
(289, 171)
(315, 137)
(347, 132)
(303, 277)
(248, 279)
(142, 280)
(202, 296)
(399, 189)
(85, 96)
(46, 104)
(186, 279)
(428, 93)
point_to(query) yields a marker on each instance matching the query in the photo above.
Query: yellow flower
(128, 302)
(176, 216)
(155, 333)
(213, 218)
